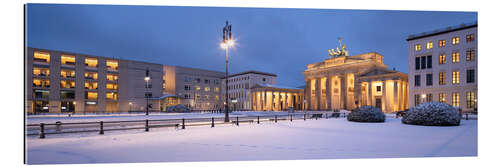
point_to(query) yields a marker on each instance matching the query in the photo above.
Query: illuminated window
(67, 84)
(42, 83)
(429, 45)
(469, 38)
(197, 96)
(442, 59)
(43, 72)
(198, 88)
(456, 99)
(442, 78)
(207, 89)
(471, 99)
(91, 62)
(216, 97)
(470, 55)
(417, 99)
(455, 40)
(112, 64)
(418, 47)
(111, 86)
(91, 75)
(442, 43)
(90, 95)
(456, 77)
(216, 89)
(112, 96)
(67, 60)
(90, 85)
(442, 98)
(43, 57)
(111, 77)
(455, 57)
(68, 73)
(206, 97)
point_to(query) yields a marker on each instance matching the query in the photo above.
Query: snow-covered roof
(274, 86)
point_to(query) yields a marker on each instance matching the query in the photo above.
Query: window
(216, 97)
(187, 79)
(442, 43)
(206, 97)
(67, 73)
(111, 77)
(90, 95)
(112, 95)
(91, 62)
(423, 63)
(187, 87)
(442, 98)
(455, 57)
(198, 96)
(456, 77)
(207, 89)
(456, 99)
(442, 78)
(148, 95)
(198, 88)
(442, 59)
(429, 61)
(67, 84)
(417, 80)
(67, 94)
(43, 72)
(207, 81)
(42, 57)
(216, 89)
(198, 80)
(418, 47)
(429, 45)
(111, 86)
(428, 97)
(470, 55)
(187, 96)
(41, 106)
(263, 79)
(217, 82)
(469, 37)
(67, 106)
(90, 85)
(67, 60)
(41, 83)
(471, 99)
(417, 99)
(417, 63)
(91, 75)
(455, 40)
(42, 94)
(471, 76)
(379, 88)
(112, 65)
(428, 79)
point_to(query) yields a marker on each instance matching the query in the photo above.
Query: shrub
(432, 114)
(366, 114)
(178, 108)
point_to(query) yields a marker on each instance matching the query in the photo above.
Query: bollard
(304, 117)
(291, 117)
(42, 131)
(237, 122)
(326, 115)
(101, 131)
(147, 125)
(213, 122)
(275, 118)
(183, 125)
(466, 116)
(258, 121)
(316, 116)
(58, 126)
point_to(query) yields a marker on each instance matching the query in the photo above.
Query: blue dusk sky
(280, 41)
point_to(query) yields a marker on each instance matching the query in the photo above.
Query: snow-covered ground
(311, 139)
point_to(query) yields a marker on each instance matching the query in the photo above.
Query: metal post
(291, 117)
(183, 125)
(304, 117)
(147, 125)
(237, 121)
(466, 116)
(275, 118)
(213, 122)
(326, 115)
(101, 131)
(42, 131)
(258, 121)
(58, 126)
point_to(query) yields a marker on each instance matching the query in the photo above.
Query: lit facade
(347, 82)
(443, 66)
(240, 85)
(276, 98)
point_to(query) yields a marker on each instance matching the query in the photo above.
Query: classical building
(266, 97)
(443, 66)
(240, 84)
(347, 82)
(58, 81)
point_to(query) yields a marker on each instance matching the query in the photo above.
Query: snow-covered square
(334, 138)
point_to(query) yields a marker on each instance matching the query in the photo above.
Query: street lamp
(147, 78)
(227, 42)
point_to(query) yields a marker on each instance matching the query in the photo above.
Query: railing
(43, 129)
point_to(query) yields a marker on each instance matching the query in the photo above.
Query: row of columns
(260, 100)
(325, 102)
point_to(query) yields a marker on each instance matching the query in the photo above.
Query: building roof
(274, 86)
(442, 31)
(252, 72)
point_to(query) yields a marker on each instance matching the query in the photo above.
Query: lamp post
(226, 43)
(147, 78)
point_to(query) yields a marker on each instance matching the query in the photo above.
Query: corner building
(347, 82)
(442, 66)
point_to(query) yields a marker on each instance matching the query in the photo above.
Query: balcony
(67, 84)
(41, 72)
(91, 75)
(91, 85)
(68, 61)
(112, 65)
(41, 58)
(41, 83)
